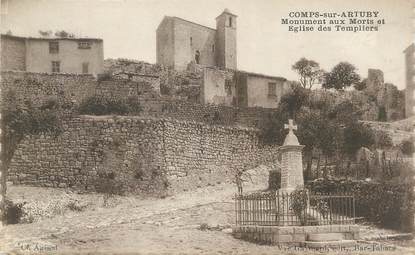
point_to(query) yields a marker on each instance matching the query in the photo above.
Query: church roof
(188, 21)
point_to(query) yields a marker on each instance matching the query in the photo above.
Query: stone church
(181, 42)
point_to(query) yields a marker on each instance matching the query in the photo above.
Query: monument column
(291, 175)
(291, 161)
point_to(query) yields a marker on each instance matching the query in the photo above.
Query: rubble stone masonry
(146, 156)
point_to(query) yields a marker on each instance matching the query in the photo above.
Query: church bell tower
(226, 40)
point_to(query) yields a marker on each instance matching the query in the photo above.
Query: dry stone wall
(91, 147)
(144, 155)
(37, 88)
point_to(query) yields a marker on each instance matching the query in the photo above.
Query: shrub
(407, 147)
(97, 105)
(13, 212)
(108, 186)
(382, 139)
(102, 106)
(204, 227)
(382, 116)
(388, 204)
(104, 77)
(134, 105)
(298, 200)
(20, 120)
(274, 180)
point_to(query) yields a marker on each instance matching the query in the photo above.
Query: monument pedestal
(291, 168)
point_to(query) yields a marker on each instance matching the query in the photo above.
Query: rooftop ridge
(52, 38)
(46, 73)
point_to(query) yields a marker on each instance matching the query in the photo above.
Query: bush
(382, 139)
(13, 213)
(407, 147)
(298, 200)
(104, 77)
(274, 180)
(382, 116)
(204, 227)
(96, 105)
(108, 186)
(388, 204)
(20, 120)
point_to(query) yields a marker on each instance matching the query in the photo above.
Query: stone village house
(52, 55)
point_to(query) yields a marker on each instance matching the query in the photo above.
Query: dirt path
(170, 225)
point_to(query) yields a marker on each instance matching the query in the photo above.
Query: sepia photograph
(207, 127)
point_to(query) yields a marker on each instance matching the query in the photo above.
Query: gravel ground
(134, 225)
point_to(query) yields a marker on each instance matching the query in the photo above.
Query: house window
(85, 66)
(191, 41)
(56, 66)
(230, 21)
(84, 45)
(272, 89)
(213, 48)
(53, 47)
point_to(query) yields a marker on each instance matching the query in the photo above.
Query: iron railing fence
(283, 209)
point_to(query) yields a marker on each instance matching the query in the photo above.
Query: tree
(316, 132)
(360, 85)
(345, 112)
(343, 75)
(357, 135)
(309, 71)
(293, 101)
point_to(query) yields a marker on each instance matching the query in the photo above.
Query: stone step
(330, 244)
(321, 237)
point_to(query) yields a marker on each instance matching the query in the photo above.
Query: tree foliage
(360, 85)
(19, 120)
(407, 147)
(293, 101)
(356, 135)
(97, 105)
(309, 72)
(342, 75)
(388, 204)
(329, 127)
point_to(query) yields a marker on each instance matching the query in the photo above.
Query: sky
(264, 45)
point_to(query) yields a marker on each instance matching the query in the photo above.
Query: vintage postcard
(207, 127)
